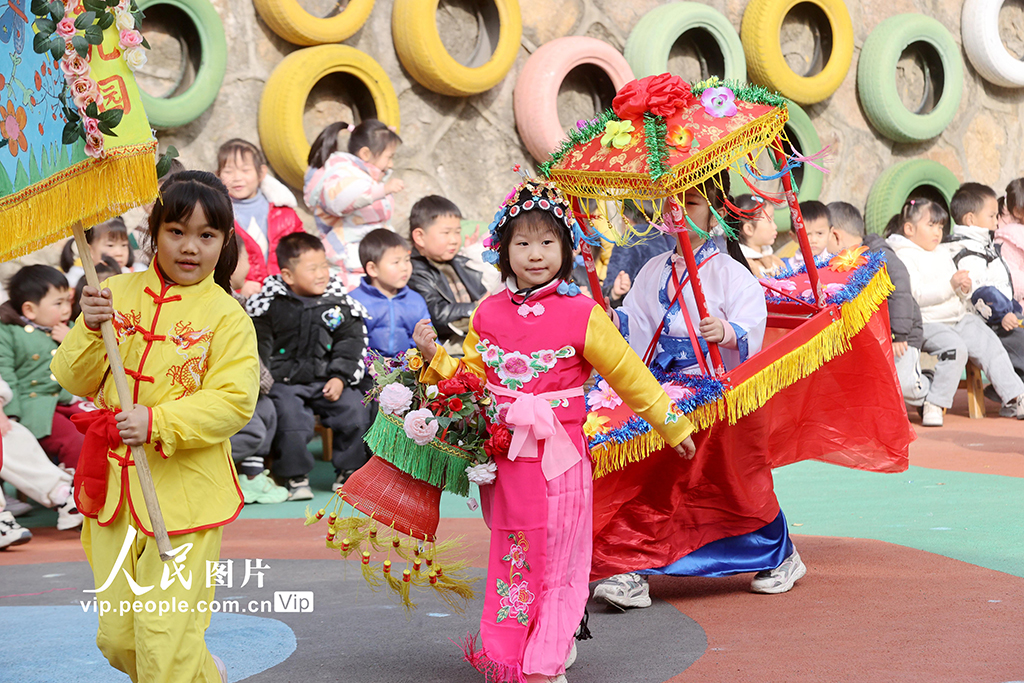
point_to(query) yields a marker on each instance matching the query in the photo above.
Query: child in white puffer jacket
(951, 333)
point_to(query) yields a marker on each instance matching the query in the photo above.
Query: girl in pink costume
(536, 343)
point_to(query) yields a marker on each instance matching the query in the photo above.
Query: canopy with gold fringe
(856, 286)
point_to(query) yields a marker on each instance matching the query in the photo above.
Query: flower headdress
(533, 195)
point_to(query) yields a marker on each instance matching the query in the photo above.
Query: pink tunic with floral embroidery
(541, 524)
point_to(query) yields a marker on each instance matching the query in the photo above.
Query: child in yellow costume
(189, 352)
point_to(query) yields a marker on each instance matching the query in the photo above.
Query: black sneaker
(298, 489)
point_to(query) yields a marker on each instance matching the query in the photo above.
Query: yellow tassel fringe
(754, 393)
(91, 191)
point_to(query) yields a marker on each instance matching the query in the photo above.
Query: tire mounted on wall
(766, 65)
(289, 20)
(535, 99)
(179, 110)
(650, 42)
(876, 78)
(419, 47)
(979, 30)
(897, 183)
(284, 99)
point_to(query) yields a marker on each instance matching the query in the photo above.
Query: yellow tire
(419, 47)
(766, 65)
(290, 21)
(286, 91)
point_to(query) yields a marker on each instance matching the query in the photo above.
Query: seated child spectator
(625, 262)
(441, 276)
(251, 445)
(904, 314)
(951, 333)
(264, 208)
(975, 210)
(109, 238)
(105, 268)
(26, 468)
(312, 337)
(392, 309)
(350, 193)
(817, 223)
(1010, 235)
(757, 235)
(35, 322)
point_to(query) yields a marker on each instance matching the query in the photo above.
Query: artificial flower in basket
(425, 438)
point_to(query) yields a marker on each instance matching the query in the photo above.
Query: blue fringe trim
(856, 283)
(705, 390)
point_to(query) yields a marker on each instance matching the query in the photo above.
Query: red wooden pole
(588, 256)
(798, 222)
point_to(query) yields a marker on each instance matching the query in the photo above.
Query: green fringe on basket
(438, 463)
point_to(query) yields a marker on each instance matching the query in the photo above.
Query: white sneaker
(932, 415)
(221, 669)
(12, 533)
(1020, 407)
(571, 659)
(298, 489)
(780, 579)
(624, 591)
(68, 516)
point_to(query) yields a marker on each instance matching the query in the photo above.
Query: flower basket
(395, 499)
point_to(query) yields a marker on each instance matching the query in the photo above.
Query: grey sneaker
(624, 591)
(1019, 407)
(12, 533)
(780, 579)
(340, 480)
(298, 489)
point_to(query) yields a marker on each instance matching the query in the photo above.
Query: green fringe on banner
(438, 463)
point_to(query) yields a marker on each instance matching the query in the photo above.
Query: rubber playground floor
(917, 576)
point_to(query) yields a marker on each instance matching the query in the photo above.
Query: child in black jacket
(312, 337)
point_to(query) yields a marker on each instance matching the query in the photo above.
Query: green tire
(176, 111)
(650, 42)
(896, 184)
(804, 136)
(876, 78)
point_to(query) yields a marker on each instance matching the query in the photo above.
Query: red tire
(535, 99)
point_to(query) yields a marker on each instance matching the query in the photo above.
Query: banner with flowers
(75, 143)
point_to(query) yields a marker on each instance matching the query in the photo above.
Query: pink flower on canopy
(719, 102)
(603, 396)
(92, 126)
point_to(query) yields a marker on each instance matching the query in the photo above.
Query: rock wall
(464, 147)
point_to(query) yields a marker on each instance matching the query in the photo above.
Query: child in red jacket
(264, 208)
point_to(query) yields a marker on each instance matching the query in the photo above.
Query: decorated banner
(75, 144)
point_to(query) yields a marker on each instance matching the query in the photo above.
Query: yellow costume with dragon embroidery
(190, 356)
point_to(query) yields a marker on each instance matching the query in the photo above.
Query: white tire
(980, 33)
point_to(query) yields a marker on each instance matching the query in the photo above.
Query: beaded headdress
(533, 195)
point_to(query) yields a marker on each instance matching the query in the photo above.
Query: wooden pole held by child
(156, 517)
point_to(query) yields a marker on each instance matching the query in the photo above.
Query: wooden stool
(326, 439)
(975, 391)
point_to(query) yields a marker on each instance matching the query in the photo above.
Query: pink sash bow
(533, 420)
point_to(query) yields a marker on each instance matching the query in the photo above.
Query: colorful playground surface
(917, 576)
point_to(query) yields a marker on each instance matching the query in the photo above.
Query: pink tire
(535, 99)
